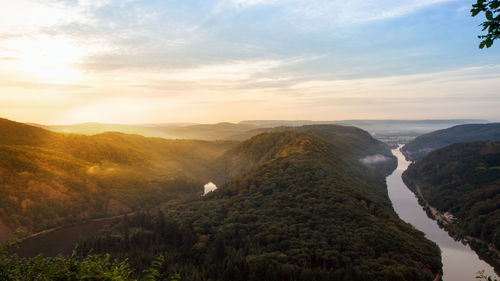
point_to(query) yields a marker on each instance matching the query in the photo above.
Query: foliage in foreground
(91, 267)
(491, 9)
(75, 268)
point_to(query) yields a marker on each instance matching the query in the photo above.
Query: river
(460, 263)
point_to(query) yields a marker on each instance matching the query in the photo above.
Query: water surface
(460, 263)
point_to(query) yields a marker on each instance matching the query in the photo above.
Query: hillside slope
(47, 179)
(426, 143)
(301, 208)
(346, 140)
(464, 180)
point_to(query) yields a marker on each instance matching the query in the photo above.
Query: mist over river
(460, 263)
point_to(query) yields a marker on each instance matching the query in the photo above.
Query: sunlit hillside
(49, 179)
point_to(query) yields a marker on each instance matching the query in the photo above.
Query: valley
(460, 262)
(249, 140)
(302, 207)
(461, 183)
(306, 201)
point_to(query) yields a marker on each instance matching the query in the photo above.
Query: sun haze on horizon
(207, 61)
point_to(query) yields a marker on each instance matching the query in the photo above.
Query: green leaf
(489, 15)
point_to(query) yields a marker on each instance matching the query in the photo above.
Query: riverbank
(434, 213)
(484, 250)
(460, 262)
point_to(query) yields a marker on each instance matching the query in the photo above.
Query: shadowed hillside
(464, 180)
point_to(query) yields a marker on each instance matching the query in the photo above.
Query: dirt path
(65, 226)
(113, 217)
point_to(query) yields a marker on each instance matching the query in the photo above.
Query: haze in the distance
(113, 61)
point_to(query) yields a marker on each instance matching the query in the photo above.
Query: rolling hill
(296, 204)
(348, 139)
(426, 143)
(49, 179)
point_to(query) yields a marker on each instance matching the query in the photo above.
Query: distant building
(449, 217)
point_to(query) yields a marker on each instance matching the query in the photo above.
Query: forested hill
(47, 178)
(304, 209)
(426, 143)
(464, 179)
(266, 146)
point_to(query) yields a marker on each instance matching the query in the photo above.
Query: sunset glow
(209, 61)
(46, 60)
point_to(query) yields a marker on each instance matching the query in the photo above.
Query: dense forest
(49, 179)
(302, 206)
(347, 140)
(464, 180)
(426, 143)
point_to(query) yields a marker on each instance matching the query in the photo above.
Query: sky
(207, 61)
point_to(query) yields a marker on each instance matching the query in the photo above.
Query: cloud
(238, 77)
(375, 159)
(103, 27)
(431, 85)
(243, 4)
(34, 85)
(158, 35)
(28, 17)
(338, 12)
(313, 59)
(231, 71)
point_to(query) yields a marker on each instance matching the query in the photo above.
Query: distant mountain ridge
(426, 143)
(245, 129)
